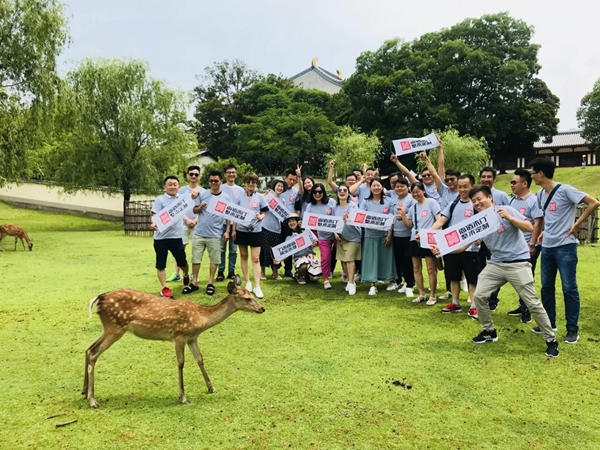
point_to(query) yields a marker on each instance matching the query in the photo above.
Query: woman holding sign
(320, 203)
(421, 216)
(348, 241)
(378, 254)
(250, 236)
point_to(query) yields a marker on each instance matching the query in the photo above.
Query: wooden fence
(137, 218)
(588, 230)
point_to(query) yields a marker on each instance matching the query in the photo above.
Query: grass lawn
(317, 370)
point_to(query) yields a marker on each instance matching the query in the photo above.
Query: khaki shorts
(213, 245)
(348, 251)
(187, 234)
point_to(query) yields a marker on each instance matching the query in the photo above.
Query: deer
(157, 318)
(18, 233)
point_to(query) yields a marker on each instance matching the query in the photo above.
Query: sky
(179, 38)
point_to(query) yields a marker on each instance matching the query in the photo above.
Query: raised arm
(330, 181)
(300, 181)
(402, 168)
(434, 174)
(441, 171)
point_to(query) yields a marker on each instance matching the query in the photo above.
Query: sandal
(220, 277)
(277, 277)
(210, 289)
(419, 299)
(189, 289)
(432, 301)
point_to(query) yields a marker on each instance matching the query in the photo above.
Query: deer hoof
(94, 404)
(211, 390)
(184, 401)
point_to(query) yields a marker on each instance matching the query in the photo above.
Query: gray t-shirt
(291, 196)
(507, 243)
(350, 232)
(210, 225)
(186, 190)
(446, 195)
(499, 197)
(271, 221)
(175, 231)
(234, 191)
(425, 216)
(400, 229)
(527, 206)
(363, 192)
(432, 192)
(325, 209)
(255, 202)
(559, 216)
(377, 207)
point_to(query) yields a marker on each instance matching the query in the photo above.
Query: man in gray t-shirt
(559, 242)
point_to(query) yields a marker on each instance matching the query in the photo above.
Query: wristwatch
(531, 245)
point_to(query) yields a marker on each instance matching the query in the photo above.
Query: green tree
(124, 130)
(479, 77)
(352, 149)
(463, 153)
(32, 35)
(242, 170)
(588, 116)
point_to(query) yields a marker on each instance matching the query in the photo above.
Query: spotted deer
(151, 317)
(18, 233)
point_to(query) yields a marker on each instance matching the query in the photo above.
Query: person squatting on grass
(348, 241)
(509, 263)
(190, 220)
(209, 234)
(421, 216)
(559, 242)
(171, 239)
(377, 254)
(250, 237)
(305, 261)
(233, 191)
(320, 203)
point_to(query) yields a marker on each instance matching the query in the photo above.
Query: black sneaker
(485, 336)
(515, 312)
(572, 337)
(525, 317)
(552, 349)
(493, 307)
(289, 274)
(537, 330)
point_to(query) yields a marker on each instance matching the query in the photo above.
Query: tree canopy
(588, 116)
(351, 149)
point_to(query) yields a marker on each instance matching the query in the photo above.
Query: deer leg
(16, 238)
(180, 353)
(2, 236)
(91, 356)
(22, 243)
(193, 345)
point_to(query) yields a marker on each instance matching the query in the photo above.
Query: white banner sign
(321, 222)
(172, 214)
(366, 219)
(463, 233)
(413, 145)
(300, 242)
(230, 211)
(276, 208)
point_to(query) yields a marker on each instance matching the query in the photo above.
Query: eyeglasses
(450, 180)
(193, 174)
(318, 192)
(213, 181)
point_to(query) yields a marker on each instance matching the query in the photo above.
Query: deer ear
(237, 280)
(231, 287)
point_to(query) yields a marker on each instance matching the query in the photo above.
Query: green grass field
(317, 370)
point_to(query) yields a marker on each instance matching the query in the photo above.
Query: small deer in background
(151, 317)
(18, 233)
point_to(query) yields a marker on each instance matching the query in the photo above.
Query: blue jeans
(232, 255)
(563, 259)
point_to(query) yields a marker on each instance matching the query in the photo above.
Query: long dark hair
(306, 197)
(324, 199)
(381, 196)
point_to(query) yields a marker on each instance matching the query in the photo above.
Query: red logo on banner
(405, 146)
(273, 203)
(220, 207)
(468, 212)
(452, 238)
(360, 217)
(255, 204)
(424, 213)
(522, 211)
(552, 206)
(165, 218)
(501, 229)
(312, 221)
(431, 239)
(300, 242)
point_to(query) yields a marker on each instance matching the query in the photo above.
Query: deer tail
(91, 305)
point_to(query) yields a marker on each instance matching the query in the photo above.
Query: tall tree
(32, 35)
(350, 149)
(125, 129)
(479, 77)
(588, 116)
(217, 108)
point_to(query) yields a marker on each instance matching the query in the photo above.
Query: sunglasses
(342, 190)
(512, 183)
(213, 181)
(426, 175)
(450, 180)
(192, 174)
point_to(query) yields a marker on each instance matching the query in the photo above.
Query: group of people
(530, 226)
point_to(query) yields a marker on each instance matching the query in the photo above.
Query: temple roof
(571, 138)
(325, 74)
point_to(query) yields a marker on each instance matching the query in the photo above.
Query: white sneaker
(392, 286)
(249, 286)
(330, 277)
(373, 290)
(351, 288)
(464, 286)
(327, 284)
(344, 278)
(469, 300)
(402, 289)
(258, 293)
(409, 293)
(445, 296)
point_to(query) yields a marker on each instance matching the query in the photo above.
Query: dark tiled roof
(571, 138)
(332, 78)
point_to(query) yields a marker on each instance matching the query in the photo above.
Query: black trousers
(404, 266)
